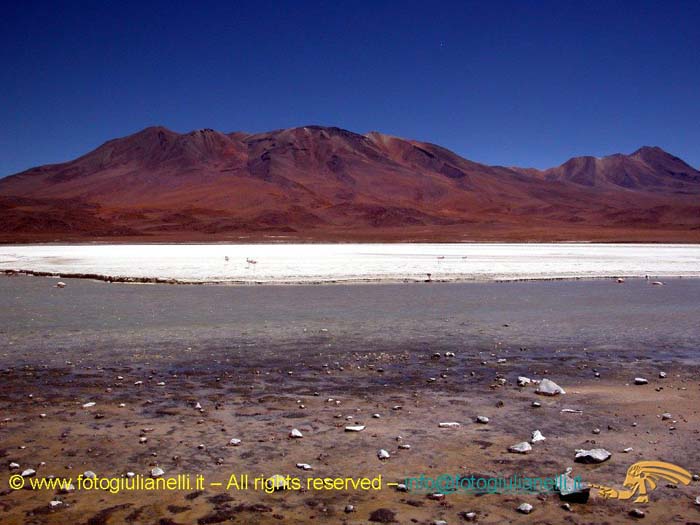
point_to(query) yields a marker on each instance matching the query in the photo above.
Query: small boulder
(549, 388)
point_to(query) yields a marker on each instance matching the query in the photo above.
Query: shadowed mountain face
(324, 183)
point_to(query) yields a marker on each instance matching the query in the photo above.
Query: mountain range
(317, 183)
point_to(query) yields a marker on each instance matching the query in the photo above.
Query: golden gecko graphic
(642, 478)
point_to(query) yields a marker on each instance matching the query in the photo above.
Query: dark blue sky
(514, 83)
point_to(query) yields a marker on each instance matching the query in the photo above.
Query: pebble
(549, 388)
(157, 472)
(536, 404)
(234, 442)
(295, 434)
(666, 416)
(640, 381)
(627, 450)
(482, 419)
(520, 448)
(596, 431)
(14, 466)
(662, 375)
(566, 507)
(697, 500)
(525, 508)
(524, 381)
(355, 428)
(383, 454)
(304, 466)
(28, 473)
(469, 516)
(55, 504)
(537, 436)
(349, 509)
(449, 424)
(405, 446)
(88, 405)
(277, 482)
(60, 284)
(595, 455)
(637, 513)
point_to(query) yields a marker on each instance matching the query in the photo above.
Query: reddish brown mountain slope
(324, 183)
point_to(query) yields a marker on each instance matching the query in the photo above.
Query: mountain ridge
(326, 183)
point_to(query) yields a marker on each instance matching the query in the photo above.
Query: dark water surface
(102, 323)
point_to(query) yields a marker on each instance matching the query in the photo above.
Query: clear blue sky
(515, 83)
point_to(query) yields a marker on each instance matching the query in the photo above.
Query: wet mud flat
(189, 372)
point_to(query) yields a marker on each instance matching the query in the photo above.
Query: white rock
(640, 381)
(277, 482)
(520, 448)
(482, 419)
(662, 375)
(143, 439)
(525, 508)
(131, 475)
(88, 405)
(89, 474)
(697, 500)
(405, 446)
(354, 428)
(657, 283)
(666, 416)
(157, 472)
(55, 504)
(296, 434)
(28, 473)
(449, 424)
(14, 466)
(234, 442)
(595, 455)
(383, 454)
(304, 466)
(627, 450)
(537, 436)
(536, 404)
(198, 406)
(524, 381)
(549, 388)
(376, 416)
(571, 411)
(349, 509)
(60, 284)
(65, 489)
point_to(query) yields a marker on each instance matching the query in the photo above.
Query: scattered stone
(482, 419)
(627, 450)
(596, 431)
(570, 490)
(355, 428)
(449, 424)
(405, 446)
(14, 466)
(524, 381)
(468, 516)
(549, 388)
(697, 500)
(437, 496)
(28, 473)
(662, 375)
(666, 416)
(157, 472)
(55, 504)
(60, 284)
(304, 466)
(525, 508)
(640, 381)
(277, 482)
(234, 442)
(449, 354)
(536, 404)
(537, 437)
(349, 509)
(88, 405)
(89, 474)
(657, 283)
(595, 455)
(520, 448)
(383, 454)
(637, 513)
(571, 411)
(376, 416)
(295, 434)
(383, 516)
